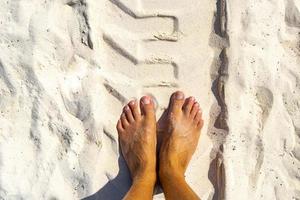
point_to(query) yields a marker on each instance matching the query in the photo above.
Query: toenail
(132, 103)
(179, 95)
(192, 99)
(197, 104)
(146, 100)
(126, 108)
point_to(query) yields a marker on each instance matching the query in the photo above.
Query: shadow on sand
(116, 188)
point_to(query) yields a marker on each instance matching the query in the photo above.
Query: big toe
(176, 102)
(147, 107)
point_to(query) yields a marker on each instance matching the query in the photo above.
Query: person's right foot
(136, 128)
(179, 131)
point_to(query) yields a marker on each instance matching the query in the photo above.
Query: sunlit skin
(177, 133)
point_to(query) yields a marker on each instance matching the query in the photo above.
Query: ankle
(147, 178)
(168, 174)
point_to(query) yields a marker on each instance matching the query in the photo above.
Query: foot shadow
(116, 188)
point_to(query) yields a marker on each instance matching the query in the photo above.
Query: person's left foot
(137, 136)
(178, 134)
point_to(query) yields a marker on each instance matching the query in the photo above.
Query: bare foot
(178, 133)
(137, 137)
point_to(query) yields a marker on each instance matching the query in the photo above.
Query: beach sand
(67, 67)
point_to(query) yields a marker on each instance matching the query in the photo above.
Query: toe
(194, 110)
(147, 106)
(124, 121)
(198, 117)
(188, 104)
(119, 126)
(200, 123)
(176, 102)
(128, 114)
(134, 109)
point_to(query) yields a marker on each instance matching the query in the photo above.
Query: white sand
(68, 67)
(263, 99)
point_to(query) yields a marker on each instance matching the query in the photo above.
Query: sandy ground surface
(67, 67)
